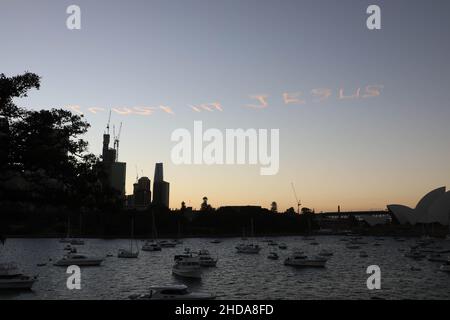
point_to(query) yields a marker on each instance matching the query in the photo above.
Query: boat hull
(17, 284)
(189, 273)
(212, 263)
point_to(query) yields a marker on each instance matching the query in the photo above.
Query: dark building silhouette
(116, 171)
(160, 187)
(141, 193)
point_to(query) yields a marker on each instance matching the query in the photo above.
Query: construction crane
(109, 120)
(116, 141)
(296, 198)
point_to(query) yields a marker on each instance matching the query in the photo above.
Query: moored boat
(249, 248)
(206, 260)
(151, 246)
(273, 256)
(12, 279)
(299, 259)
(78, 260)
(187, 266)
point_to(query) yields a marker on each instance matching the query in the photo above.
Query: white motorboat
(273, 256)
(363, 254)
(206, 260)
(299, 259)
(325, 253)
(173, 292)
(249, 248)
(187, 266)
(445, 267)
(78, 260)
(12, 279)
(151, 246)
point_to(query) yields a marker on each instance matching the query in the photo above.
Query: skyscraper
(141, 193)
(160, 187)
(159, 174)
(115, 171)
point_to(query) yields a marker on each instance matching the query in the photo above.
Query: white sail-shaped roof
(421, 210)
(434, 207)
(440, 210)
(402, 213)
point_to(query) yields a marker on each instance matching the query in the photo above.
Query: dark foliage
(44, 164)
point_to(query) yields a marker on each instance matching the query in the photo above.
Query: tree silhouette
(44, 161)
(291, 210)
(15, 87)
(205, 206)
(274, 207)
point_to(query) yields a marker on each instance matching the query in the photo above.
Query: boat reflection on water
(172, 292)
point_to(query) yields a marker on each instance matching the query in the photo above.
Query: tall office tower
(160, 187)
(115, 171)
(159, 175)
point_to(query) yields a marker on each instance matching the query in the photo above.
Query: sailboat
(152, 245)
(129, 254)
(67, 239)
(250, 248)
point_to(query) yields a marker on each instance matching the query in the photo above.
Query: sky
(361, 153)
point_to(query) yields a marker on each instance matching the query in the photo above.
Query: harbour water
(237, 276)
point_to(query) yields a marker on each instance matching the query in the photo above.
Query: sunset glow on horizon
(363, 116)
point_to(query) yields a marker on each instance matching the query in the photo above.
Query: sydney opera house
(434, 207)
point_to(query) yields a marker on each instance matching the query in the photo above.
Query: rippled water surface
(237, 276)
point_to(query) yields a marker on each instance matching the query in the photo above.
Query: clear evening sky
(358, 153)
